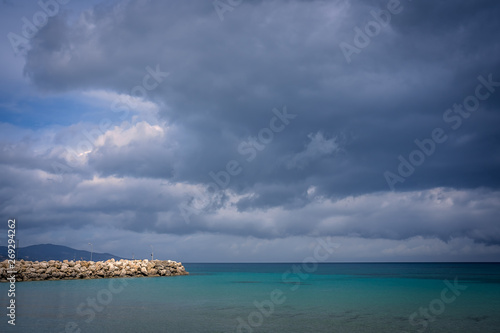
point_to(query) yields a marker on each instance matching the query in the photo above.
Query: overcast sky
(237, 131)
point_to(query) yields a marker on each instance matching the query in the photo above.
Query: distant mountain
(55, 252)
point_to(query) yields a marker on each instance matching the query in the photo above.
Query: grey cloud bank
(324, 174)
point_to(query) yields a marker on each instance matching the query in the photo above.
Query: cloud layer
(179, 123)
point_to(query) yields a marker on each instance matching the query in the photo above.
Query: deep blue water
(269, 298)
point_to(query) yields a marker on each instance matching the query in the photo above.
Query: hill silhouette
(43, 252)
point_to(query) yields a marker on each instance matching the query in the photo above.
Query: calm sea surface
(268, 298)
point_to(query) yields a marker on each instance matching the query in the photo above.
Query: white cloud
(116, 101)
(317, 148)
(126, 134)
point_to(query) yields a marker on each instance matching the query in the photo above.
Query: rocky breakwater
(64, 270)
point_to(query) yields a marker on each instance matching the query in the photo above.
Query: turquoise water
(227, 297)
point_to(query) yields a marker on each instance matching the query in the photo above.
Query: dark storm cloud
(226, 76)
(352, 120)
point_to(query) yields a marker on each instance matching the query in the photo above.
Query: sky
(249, 131)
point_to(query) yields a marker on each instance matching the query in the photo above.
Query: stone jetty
(67, 270)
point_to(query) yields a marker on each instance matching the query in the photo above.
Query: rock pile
(57, 270)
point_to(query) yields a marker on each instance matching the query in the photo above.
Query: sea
(268, 297)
